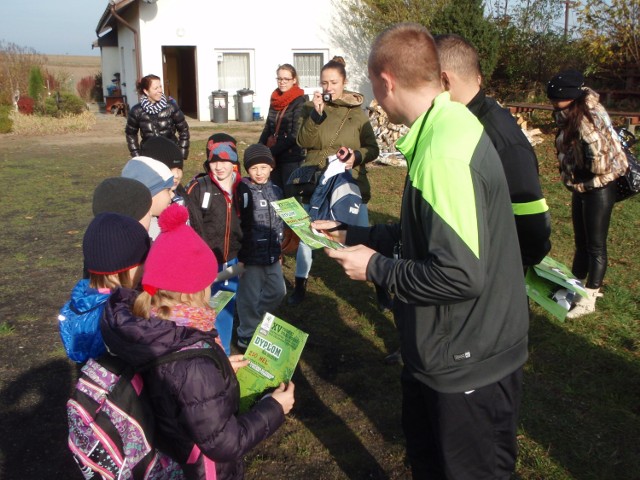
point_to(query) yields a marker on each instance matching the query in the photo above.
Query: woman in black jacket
(155, 116)
(281, 128)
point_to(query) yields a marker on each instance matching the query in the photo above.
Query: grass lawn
(580, 416)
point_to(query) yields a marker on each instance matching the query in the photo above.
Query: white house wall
(269, 31)
(110, 64)
(125, 53)
(128, 63)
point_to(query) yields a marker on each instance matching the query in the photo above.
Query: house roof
(107, 20)
(108, 39)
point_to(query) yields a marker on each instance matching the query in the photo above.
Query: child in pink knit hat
(178, 275)
(195, 401)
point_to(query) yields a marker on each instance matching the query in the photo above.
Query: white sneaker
(585, 305)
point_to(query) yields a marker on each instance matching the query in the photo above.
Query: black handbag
(302, 181)
(628, 185)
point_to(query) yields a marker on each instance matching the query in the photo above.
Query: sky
(63, 27)
(54, 27)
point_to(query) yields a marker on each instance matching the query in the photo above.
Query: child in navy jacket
(261, 287)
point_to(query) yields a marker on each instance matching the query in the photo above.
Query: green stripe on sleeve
(530, 208)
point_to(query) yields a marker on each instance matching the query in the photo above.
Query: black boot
(298, 292)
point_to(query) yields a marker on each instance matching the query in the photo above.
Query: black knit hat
(566, 85)
(125, 196)
(114, 243)
(163, 150)
(257, 153)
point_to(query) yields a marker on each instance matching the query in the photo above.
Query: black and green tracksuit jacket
(460, 298)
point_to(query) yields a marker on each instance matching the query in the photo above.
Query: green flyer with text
(544, 280)
(220, 299)
(295, 216)
(273, 354)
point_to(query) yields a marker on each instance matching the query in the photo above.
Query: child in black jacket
(214, 216)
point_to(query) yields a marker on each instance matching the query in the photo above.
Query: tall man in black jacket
(462, 78)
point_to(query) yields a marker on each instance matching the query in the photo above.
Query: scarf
(153, 108)
(201, 318)
(280, 100)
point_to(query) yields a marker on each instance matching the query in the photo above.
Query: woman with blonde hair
(195, 400)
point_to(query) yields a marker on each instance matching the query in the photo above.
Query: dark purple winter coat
(194, 401)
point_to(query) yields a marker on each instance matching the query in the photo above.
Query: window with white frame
(233, 71)
(308, 66)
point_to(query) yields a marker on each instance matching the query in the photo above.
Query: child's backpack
(206, 189)
(79, 323)
(111, 423)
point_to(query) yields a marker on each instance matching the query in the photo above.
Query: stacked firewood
(387, 134)
(534, 135)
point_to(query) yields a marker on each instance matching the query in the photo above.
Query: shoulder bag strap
(186, 354)
(322, 163)
(279, 121)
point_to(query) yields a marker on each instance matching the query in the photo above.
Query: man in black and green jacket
(453, 264)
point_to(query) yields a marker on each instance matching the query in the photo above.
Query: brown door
(179, 74)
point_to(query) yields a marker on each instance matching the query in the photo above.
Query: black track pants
(462, 436)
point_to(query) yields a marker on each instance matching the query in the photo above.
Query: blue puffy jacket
(79, 322)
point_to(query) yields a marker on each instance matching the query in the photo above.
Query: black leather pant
(591, 213)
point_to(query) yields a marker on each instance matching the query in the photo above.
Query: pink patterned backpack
(111, 423)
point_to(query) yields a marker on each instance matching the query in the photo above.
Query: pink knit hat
(179, 259)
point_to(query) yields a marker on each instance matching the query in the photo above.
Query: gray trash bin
(220, 106)
(244, 104)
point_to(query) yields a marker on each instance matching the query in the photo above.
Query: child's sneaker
(243, 342)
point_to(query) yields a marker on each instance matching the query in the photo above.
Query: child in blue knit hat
(115, 247)
(158, 179)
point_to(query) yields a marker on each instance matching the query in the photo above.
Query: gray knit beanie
(163, 150)
(125, 196)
